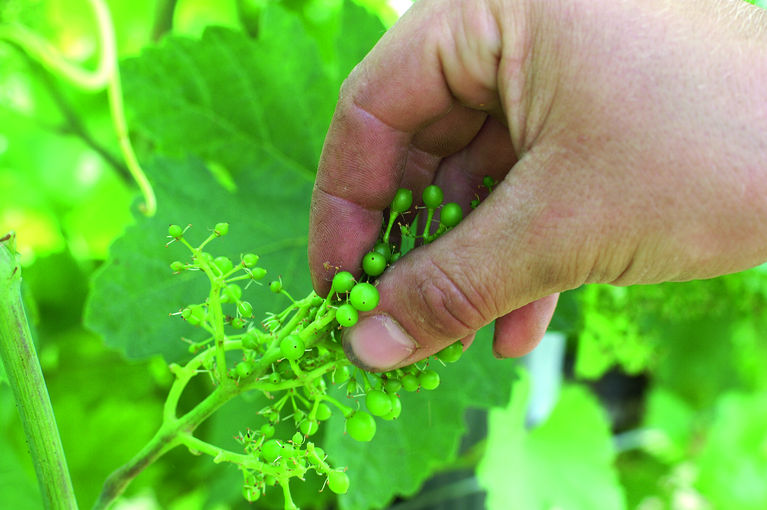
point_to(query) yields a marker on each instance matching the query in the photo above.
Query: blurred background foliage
(665, 398)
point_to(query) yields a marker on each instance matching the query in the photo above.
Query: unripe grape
(409, 382)
(451, 353)
(244, 368)
(432, 196)
(347, 315)
(373, 263)
(292, 347)
(309, 427)
(378, 403)
(396, 408)
(267, 429)
(224, 264)
(250, 339)
(402, 201)
(341, 374)
(323, 412)
(175, 231)
(257, 273)
(384, 249)
(249, 259)
(231, 293)
(364, 297)
(270, 450)
(245, 309)
(451, 215)
(221, 229)
(338, 482)
(361, 426)
(428, 379)
(342, 282)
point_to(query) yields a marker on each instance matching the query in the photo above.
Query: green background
(665, 400)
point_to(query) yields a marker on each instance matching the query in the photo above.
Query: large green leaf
(427, 435)
(565, 463)
(135, 291)
(733, 460)
(256, 113)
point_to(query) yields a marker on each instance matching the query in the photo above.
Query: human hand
(630, 139)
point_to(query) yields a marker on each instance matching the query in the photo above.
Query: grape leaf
(135, 291)
(426, 436)
(233, 100)
(733, 460)
(564, 463)
(256, 112)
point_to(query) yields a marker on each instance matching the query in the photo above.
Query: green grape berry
(342, 282)
(364, 297)
(316, 454)
(409, 382)
(177, 266)
(250, 259)
(224, 264)
(275, 378)
(221, 229)
(231, 293)
(238, 323)
(175, 231)
(245, 309)
(292, 347)
(402, 201)
(270, 450)
(309, 427)
(267, 429)
(287, 450)
(378, 402)
(251, 494)
(451, 215)
(432, 196)
(384, 249)
(250, 340)
(361, 426)
(392, 385)
(258, 273)
(195, 314)
(276, 286)
(428, 379)
(323, 412)
(347, 315)
(298, 438)
(338, 482)
(488, 182)
(244, 368)
(451, 353)
(341, 374)
(396, 408)
(373, 263)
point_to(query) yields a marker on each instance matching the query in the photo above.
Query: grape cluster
(294, 356)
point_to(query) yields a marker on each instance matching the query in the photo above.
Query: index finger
(411, 78)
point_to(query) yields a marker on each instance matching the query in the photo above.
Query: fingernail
(377, 342)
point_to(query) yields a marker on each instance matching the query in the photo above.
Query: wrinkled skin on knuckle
(450, 308)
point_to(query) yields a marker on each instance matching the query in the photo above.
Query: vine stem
(106, 75)
(25, 376)
(166, 438)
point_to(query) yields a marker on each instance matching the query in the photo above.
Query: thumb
(488, 267)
